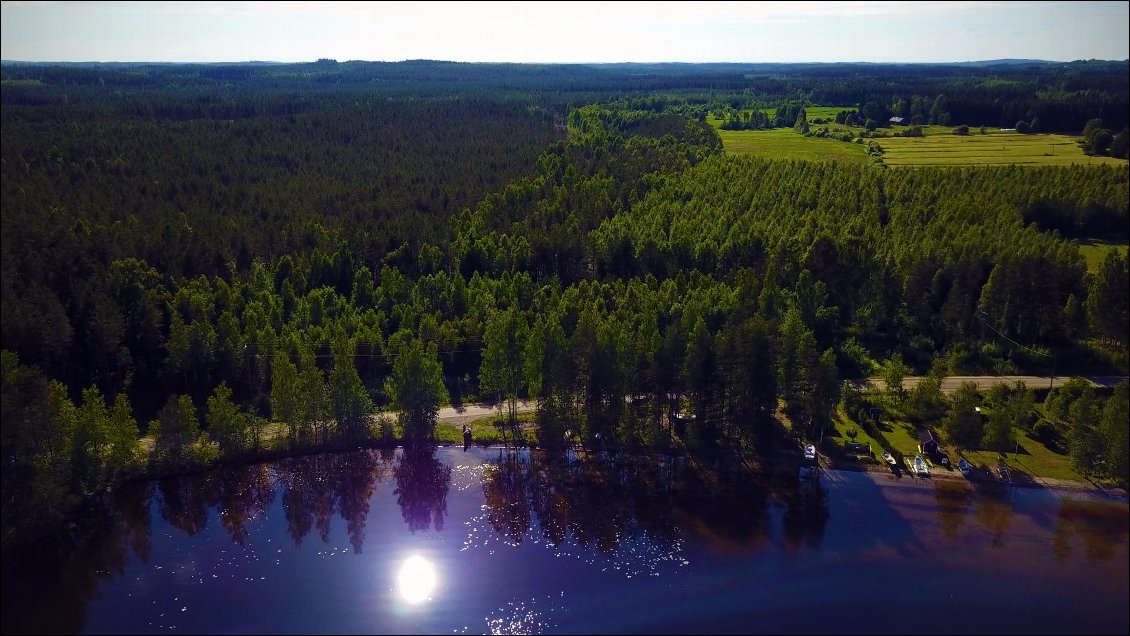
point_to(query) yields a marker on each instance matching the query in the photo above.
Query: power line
(982, 316)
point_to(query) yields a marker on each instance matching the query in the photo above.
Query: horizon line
(401, 61)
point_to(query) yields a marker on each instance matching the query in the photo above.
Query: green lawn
(835, 442)
(996, 148)
(1095, 251)
(784, 143)
(901, 436)
(484, 431)
(1034, 460)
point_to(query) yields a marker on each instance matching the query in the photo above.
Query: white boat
(920, 466)
(809, 451)
(889, 458)
(965, 467)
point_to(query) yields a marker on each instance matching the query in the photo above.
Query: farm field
(784, 143)
(993, 149)
(1094, 252)
(938, 148)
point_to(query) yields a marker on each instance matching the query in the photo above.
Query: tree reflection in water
(954, 498)
(421, 487)
(994, 512)
(183, 500)
(315, 487)
(240, 494)
(73, 572)
(1101, 526)
(806, 513)
(603, 500)
(244, 493)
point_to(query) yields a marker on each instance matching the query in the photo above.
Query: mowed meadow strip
(997, 148)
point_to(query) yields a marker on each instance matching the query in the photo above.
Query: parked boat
(920, 466)
(965, 467)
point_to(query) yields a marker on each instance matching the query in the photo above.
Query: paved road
(468, 412)
(948, 385)
(951, 383)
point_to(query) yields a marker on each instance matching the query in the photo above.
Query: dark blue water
(520, 543)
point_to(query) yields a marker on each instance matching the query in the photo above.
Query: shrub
(1046, 432)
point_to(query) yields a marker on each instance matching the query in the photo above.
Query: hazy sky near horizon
(563, 31)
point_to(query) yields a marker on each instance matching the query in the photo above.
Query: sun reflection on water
(416, 579)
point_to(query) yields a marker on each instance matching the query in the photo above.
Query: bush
(856, 358)
(1046, 433)
(961, 130)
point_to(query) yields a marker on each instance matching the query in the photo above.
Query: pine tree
(963, 425)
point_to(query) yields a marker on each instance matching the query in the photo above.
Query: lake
(498, 541)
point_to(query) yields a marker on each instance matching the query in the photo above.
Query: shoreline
(1020, 481)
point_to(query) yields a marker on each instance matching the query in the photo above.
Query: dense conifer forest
(235, 259)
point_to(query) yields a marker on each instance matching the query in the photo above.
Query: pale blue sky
(828, 31)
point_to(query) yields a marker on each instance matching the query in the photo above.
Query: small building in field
(899, 121)
(927, 443)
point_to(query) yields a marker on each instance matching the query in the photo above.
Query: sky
(564, 32)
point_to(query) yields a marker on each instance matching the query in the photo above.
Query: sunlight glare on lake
(416, 579)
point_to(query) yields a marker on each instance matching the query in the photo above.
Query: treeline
(787, 115)
(1063, 97)
(607, 360)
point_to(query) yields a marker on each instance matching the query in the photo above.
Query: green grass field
(900, 434)
(940, 147)
(784, 143)
(827, 113)
(1034, 460)
(997, 148)
(1095, 251)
